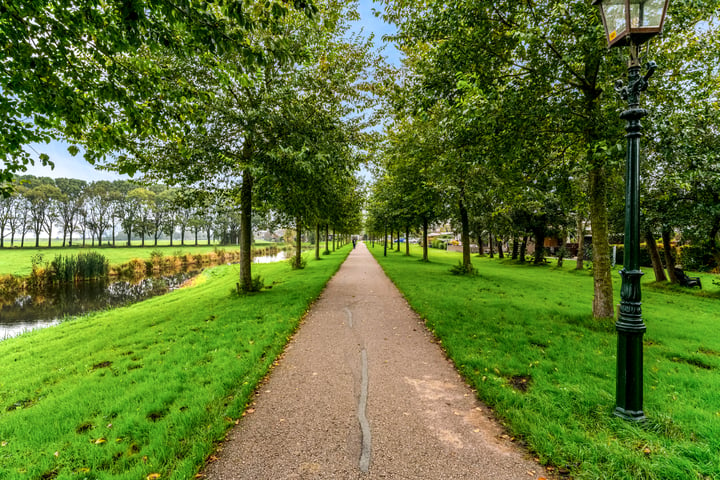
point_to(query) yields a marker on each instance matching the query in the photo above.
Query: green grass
(515, 326)
(150, 388)
(18, 261)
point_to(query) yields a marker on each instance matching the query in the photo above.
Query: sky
(67, 166)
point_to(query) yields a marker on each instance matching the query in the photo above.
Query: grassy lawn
(18, 261)
(524, 337)
(151, 388)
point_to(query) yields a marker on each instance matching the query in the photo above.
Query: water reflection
(51, 305)
(46, 308)
(281, 255)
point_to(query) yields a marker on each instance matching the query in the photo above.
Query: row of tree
(260, 101)
(505, 121)
(101, 210)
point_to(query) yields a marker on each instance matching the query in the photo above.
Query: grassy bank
(18, 261)
(523, 336)
(147, 389)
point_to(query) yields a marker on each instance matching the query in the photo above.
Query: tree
(240, 130)
(69, 204)
(98, 207)
(139, 213)
(93, 71)
(41, 198)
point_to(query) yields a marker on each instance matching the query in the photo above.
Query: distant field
(18, 261)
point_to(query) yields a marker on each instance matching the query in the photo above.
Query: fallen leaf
(99, 441)
(153, 476)
(4, 444)
(57, 454)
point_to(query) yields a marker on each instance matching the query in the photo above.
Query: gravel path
(363, 392)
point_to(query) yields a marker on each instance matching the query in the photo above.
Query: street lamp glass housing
(631, 21)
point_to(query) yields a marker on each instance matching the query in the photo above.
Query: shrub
(437, 243)
(257, 284)
(64, 268)
(297, 264)
(83, 266)
(92, 265)
(461, 269)
(696, 257)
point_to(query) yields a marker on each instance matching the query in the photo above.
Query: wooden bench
(686, 281)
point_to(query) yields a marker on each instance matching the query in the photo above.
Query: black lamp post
(632, 23)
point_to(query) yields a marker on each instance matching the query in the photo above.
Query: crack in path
(362, 417)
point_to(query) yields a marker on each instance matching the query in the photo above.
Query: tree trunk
(581, 244)
(515, 246)
(501, 254)
(425, 240)
(491, 247)
(465, 235)
(298, 244)
(317, 241)
(50, 237)
(603, 299)
(523, 248)
(669, 260)
(407, 240)
(539, 235)
(245, 231)
(327, 239)
(603, 306)
(654, 256)
(386, 240)
(334, 235)
(481, 247)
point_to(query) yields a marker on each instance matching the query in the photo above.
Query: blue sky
(75, 167)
